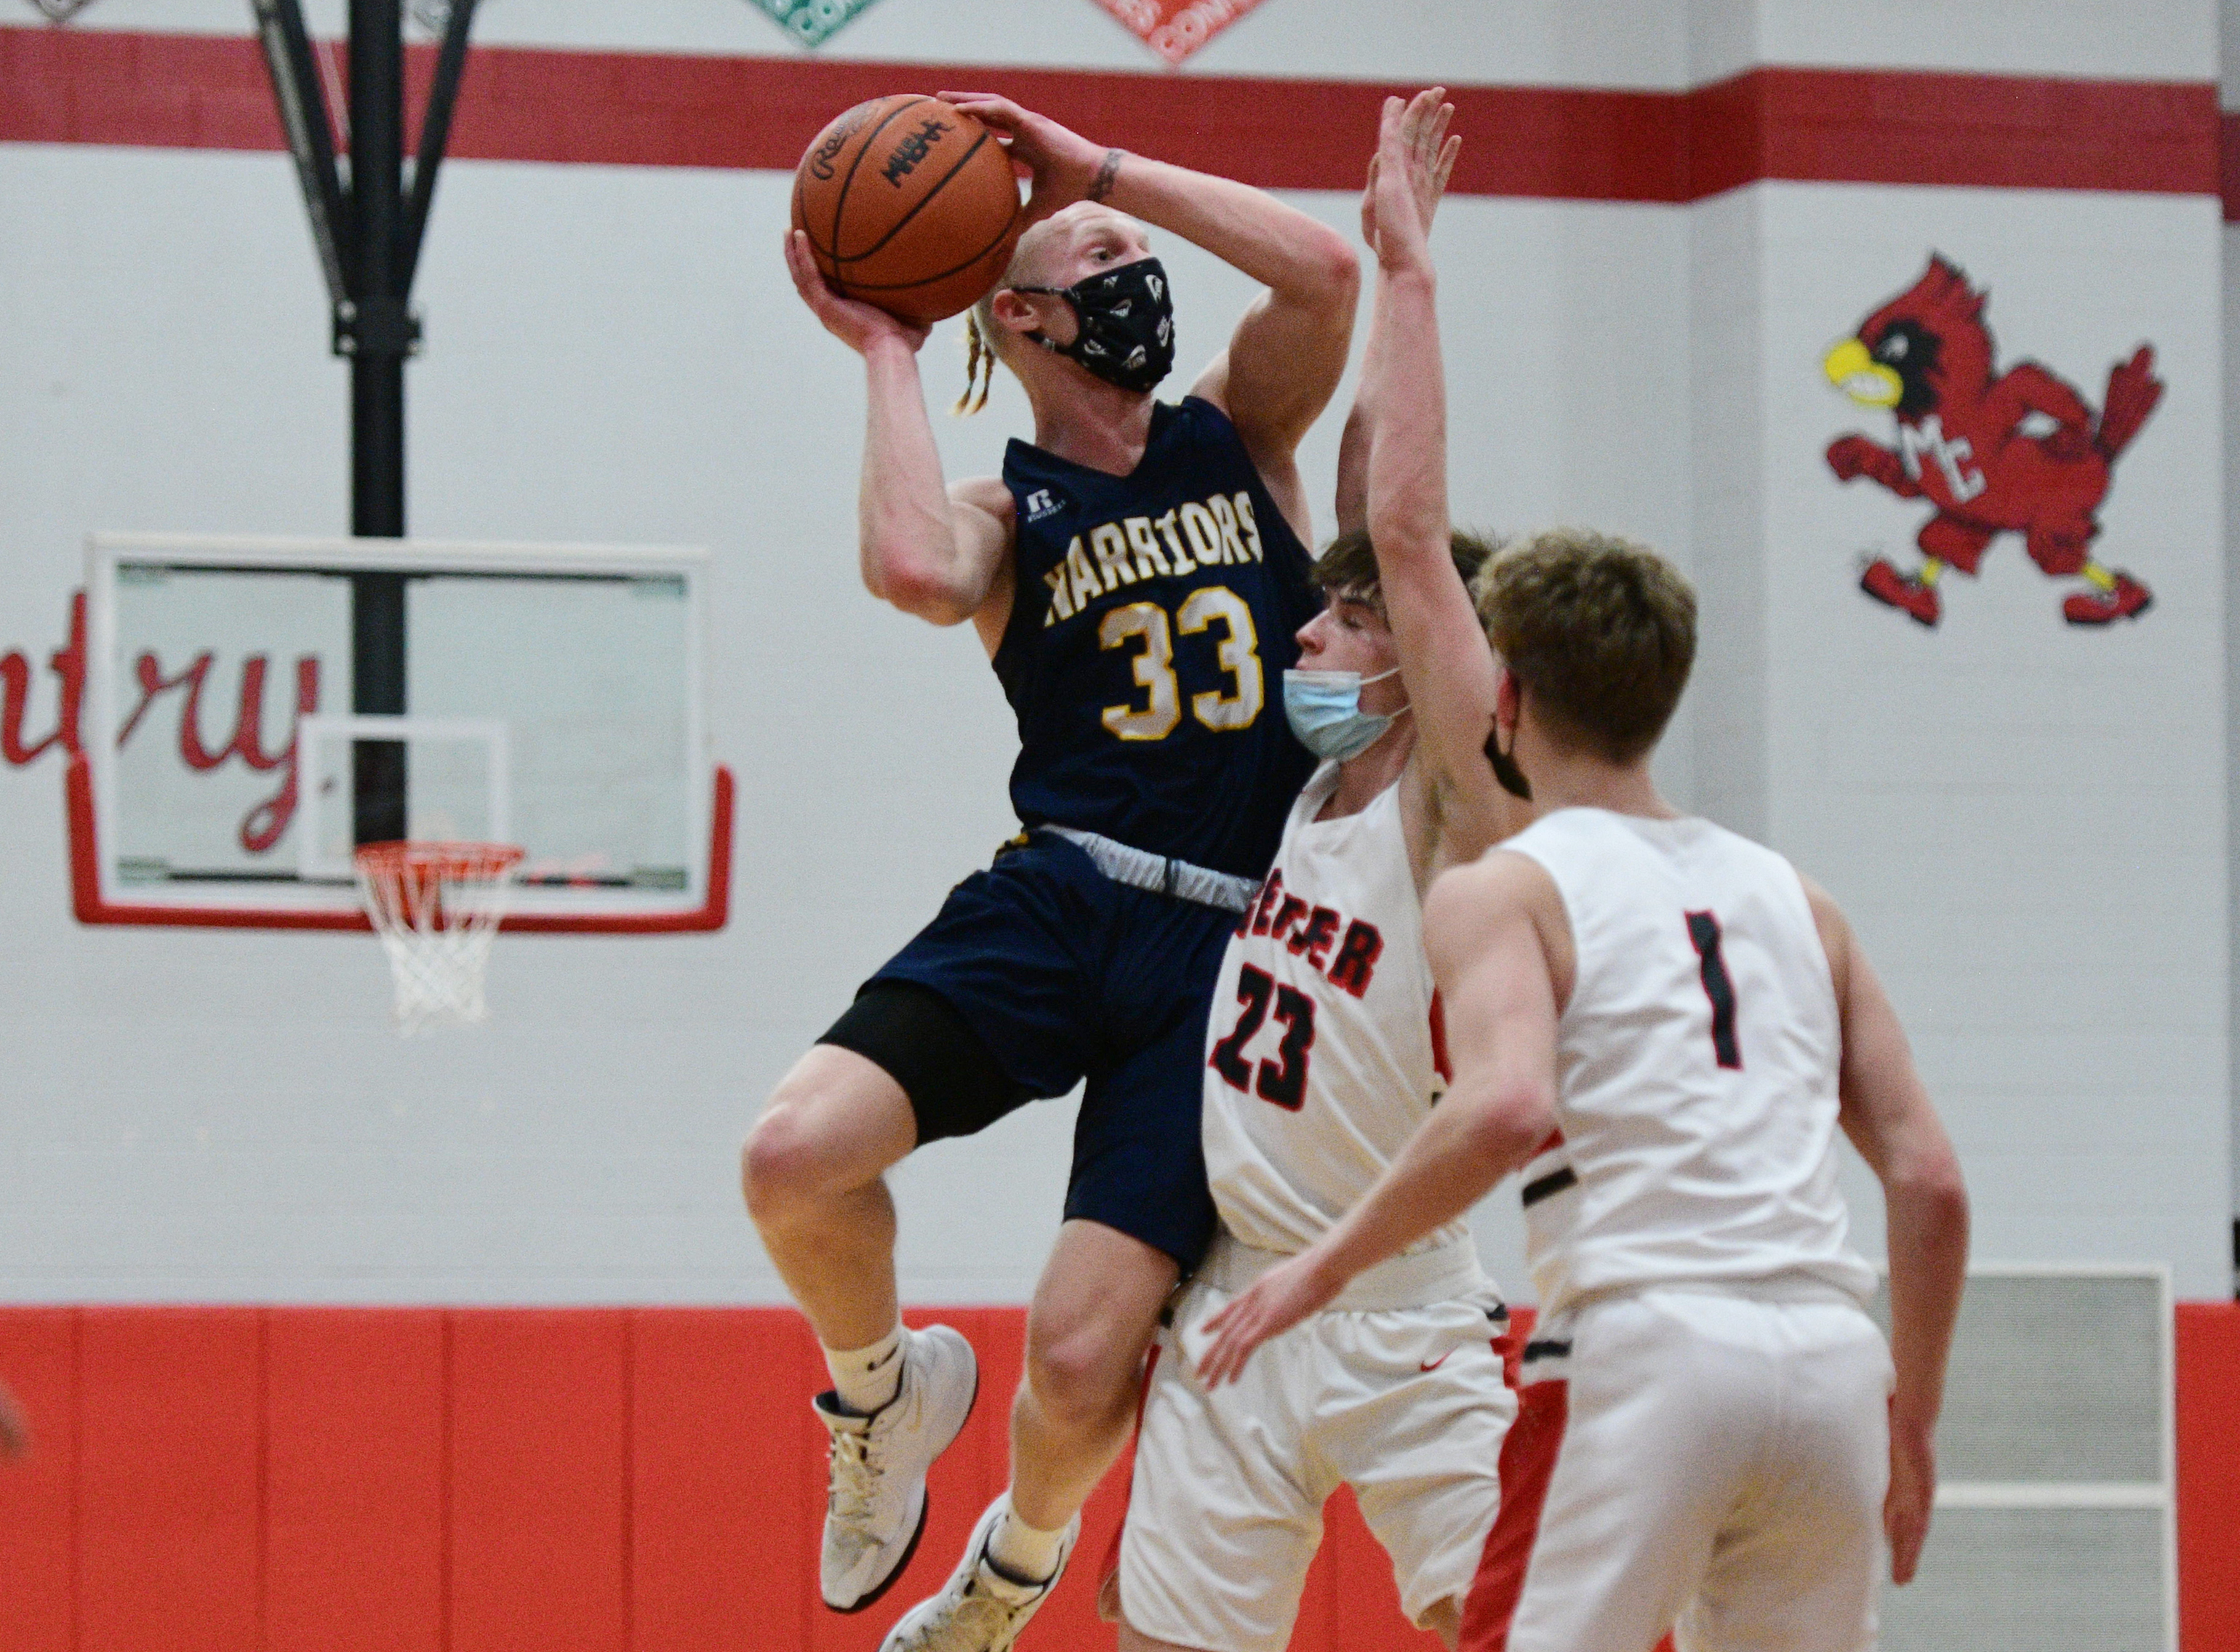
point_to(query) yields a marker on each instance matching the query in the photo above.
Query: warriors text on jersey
(1151, 625)
(1696, 1068)
(1325, 1056)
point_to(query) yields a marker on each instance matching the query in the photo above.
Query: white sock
(866, 1378)
(1023, 1553)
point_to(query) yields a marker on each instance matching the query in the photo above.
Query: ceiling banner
(1175, 29)
(814, 22)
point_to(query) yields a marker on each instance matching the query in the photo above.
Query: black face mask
(1125, 317)
(1504, 768)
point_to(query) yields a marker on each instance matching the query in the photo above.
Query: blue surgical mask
(1324, 711)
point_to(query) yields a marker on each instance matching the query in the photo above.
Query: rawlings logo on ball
(913, 149)
(821, 159)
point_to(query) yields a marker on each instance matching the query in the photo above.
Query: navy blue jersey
(1147, 639)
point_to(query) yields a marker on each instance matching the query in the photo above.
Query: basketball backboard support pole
(310, 138)
(368, 236)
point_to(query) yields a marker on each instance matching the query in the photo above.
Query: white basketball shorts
(1718, 1465)
(1407, 1406)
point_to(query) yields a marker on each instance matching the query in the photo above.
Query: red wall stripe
(73, 86)
(1982, 130)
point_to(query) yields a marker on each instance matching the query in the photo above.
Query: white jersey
(1696, 1065)
(1324, 1051)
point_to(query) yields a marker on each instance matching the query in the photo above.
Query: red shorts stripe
(1107, 1574)
(1528, 1462)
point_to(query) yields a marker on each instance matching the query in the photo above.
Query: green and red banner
(1175, 29)
(813, 21)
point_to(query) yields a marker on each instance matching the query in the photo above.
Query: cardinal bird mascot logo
(2017, 452)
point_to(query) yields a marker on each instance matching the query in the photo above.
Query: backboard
(258, 708)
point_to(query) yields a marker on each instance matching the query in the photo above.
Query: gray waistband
(1140, 869)
(1413, 1281)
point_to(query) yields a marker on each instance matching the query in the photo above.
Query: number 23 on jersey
(1282, 1078)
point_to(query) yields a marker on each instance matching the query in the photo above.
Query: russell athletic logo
(2019, 452)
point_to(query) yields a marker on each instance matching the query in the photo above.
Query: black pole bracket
(375, 327)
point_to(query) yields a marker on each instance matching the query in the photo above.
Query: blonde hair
(1600, 630)
(981, 333)
(979, 360)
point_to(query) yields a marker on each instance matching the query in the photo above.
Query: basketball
(909, 204)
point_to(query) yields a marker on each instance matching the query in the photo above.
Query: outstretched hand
(1278, 1300)
(855, 323)
(1062, 163)
(1407, 176)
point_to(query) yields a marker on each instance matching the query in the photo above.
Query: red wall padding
(2209, 1476)
(481, 1480)
(490, 1480)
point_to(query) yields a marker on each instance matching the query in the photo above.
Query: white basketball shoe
(979, 1609)
(874, 1508)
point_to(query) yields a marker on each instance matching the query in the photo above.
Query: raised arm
(930, 551)
(1353, 446)
(1889, 1119)
(1444, 660)
(1284, 364)
(1483, 927)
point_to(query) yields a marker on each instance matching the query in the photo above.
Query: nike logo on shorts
(1433, 1365)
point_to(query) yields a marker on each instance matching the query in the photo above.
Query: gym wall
(1677, 211)
(1667, 214)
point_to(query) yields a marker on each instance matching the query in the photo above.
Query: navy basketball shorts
(1057, 974)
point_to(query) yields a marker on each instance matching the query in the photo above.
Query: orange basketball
(909, 204)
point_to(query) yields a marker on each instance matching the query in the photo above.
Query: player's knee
(1079, 1376)
(781, 1164)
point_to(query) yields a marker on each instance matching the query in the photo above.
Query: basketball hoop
(436, 906)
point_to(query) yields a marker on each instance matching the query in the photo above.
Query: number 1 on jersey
(1704, 935)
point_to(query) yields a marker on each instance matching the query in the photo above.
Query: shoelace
(855, 1483)
(980, 1621)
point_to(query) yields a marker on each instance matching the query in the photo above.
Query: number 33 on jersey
(1151, 612)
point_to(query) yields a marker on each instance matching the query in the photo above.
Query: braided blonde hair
(979, 363)
(981, 333)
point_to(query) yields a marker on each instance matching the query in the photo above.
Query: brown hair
(1599, 631)
(1348, 564)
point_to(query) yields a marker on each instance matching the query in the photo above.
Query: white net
(436, 908)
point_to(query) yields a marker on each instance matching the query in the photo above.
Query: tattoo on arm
(1107, 175)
